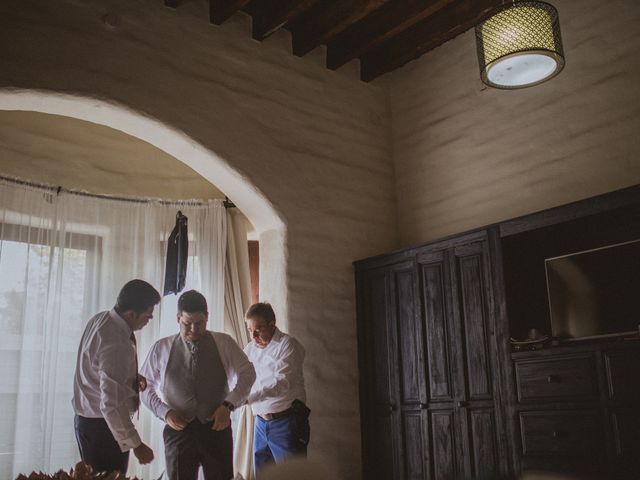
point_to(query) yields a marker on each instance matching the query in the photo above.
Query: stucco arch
(264, 217)
(172, 141)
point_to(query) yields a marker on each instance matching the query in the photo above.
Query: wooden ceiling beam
(426, 35)
(379, 26)
(270, 15)
(221, 10)
(328, 18)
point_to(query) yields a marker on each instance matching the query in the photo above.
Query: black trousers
(197, 445)
(97, 446)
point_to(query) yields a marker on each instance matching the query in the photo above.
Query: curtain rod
(59, 189)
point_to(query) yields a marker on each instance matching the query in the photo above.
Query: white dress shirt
(279, 374)
(239, 371)
(105, 377)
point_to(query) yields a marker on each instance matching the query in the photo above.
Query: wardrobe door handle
(462, 403)
(423, 406)
(553, 379)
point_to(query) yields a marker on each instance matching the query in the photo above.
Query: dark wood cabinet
(443, 397)
(425, 328)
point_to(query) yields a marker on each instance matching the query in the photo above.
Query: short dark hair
(192, 302)
(136, 295)
(262, 310)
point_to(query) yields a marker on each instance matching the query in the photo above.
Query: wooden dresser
(578, 409)
(442, 397)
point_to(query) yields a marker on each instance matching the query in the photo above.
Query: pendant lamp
(519, 45)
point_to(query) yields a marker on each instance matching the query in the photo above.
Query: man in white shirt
(106, 382)
(278, 396)
(195, 379)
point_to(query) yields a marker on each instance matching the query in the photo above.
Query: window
(38, 281)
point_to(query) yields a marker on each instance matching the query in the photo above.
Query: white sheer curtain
(237, 298)
(64, 257)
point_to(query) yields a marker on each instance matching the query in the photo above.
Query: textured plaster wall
(315, 143)
(466, 156)
(79, 155)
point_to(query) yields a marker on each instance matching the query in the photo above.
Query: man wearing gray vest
(194, 380)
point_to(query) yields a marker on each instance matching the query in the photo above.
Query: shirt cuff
(235, 399)
(131, 442)
(162, 412)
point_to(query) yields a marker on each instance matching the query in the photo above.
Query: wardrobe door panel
(473, 316)
(416, 444)
(483, 440)
(443, 444)
(383, 339)
(412, 381)
(435, 291)
(382, 432)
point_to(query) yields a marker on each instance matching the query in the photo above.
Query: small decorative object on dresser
(534, 341)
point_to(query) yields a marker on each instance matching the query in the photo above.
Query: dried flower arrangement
(82, 471)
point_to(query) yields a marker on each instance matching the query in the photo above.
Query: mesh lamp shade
(519, 45)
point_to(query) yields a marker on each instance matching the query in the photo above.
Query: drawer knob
(462, 404)
(555, 434)
(553, 379)
(424, 406)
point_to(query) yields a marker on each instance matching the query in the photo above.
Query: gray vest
(195, 381)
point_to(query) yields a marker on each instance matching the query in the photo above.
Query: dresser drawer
(562, 432)
(556, 378)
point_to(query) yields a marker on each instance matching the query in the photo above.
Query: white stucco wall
(466, 155)
(80, 155)
(314, 143)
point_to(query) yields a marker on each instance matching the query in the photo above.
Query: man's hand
(142, 383)
(143, 453)
(175, 420)
(221, 418)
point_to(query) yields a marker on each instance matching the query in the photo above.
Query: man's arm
(238, 366)
(151, 370)
(289, 361)
(113, 365)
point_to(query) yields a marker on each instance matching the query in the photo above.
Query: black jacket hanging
(177, 254)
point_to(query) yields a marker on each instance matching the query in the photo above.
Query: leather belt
(273, 416)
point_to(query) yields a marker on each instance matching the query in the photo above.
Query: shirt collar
(277, 335)
(120, 322)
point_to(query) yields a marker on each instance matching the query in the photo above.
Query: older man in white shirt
(278, 396)
(195, 379)
(106, 382)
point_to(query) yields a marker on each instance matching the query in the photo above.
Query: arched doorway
(210, 166)
(265, 218)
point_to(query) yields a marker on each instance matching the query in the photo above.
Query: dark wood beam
(172, 3)
(270, 15)
(378, 27)
(426, 35)
(221, 10)
(328, 18)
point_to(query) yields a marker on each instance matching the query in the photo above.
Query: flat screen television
(595, 293)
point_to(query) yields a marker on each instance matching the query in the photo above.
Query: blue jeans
(97, 446)
(278, 439)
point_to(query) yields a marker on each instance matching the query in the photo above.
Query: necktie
(193, 348)
(136, 385)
